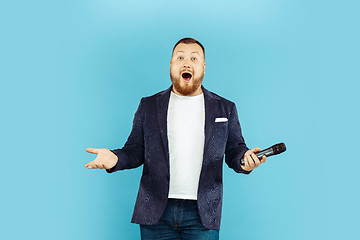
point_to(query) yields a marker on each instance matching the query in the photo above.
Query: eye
(180, 58)
(194, 58)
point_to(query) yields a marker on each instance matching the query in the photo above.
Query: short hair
(189, 41)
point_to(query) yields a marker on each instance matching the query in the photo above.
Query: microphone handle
(267, 152)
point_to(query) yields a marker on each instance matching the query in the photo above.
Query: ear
(204, 66)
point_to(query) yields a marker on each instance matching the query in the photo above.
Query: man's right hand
(105, 158)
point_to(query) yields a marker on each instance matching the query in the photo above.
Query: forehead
(189, 48)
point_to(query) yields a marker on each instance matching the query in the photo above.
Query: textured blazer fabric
(147, 144)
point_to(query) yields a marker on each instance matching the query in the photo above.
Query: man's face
(187, 68)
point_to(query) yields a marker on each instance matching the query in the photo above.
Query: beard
(186, 89)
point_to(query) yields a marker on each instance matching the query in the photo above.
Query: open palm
(105, 159)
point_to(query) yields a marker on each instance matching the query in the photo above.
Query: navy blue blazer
(148, 145)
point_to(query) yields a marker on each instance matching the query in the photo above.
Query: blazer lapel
(211, 105)
(162, 104)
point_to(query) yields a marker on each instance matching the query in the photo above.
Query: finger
(249, 159)
(263, 159)
(251, 162)
(100, 165)
(246, 165)
(255, 150)
(88, 164)
(92, 150)
(92, 165)
(256, 159)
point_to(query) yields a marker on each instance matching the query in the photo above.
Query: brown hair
(189, 41)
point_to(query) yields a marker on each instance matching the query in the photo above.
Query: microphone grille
(279, 148)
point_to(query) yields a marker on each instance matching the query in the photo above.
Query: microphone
(273, 150)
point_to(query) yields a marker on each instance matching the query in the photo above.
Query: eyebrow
(191, 53)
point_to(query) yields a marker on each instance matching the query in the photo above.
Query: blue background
(72, 75)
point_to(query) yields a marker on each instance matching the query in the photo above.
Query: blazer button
(167, 178)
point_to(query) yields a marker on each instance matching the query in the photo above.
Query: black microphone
(273, 150)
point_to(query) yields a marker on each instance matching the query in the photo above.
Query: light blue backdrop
(72, 75)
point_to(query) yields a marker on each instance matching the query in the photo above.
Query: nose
(186, 65)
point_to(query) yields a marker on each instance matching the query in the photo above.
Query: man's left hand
(251, 160)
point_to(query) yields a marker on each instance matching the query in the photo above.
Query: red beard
(188, 89)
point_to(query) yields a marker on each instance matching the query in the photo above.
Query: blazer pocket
(220, 132)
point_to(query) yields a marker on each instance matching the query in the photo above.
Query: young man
(181, 136)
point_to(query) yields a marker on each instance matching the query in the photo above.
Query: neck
(197, 92)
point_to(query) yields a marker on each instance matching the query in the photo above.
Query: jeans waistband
(182, 201)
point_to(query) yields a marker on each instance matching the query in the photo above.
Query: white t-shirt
(186, 136)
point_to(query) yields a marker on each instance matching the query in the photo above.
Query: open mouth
(186, 76)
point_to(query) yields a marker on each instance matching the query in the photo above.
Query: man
(180, 135)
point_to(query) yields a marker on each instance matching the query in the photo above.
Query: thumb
(92, 150)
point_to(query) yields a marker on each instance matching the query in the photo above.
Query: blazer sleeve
(235, 146)
(132, 154)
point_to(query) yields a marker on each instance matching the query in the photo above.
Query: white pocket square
(221, 119)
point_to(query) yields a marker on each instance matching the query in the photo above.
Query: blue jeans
(180, 220)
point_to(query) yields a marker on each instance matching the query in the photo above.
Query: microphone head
(279, 148)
